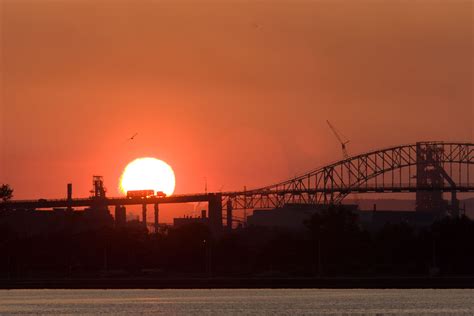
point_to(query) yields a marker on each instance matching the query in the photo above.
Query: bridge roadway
(404, 188)
(214, 201)
(112, 201)
(206, 197)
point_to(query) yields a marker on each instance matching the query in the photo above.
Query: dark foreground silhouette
(334, 251)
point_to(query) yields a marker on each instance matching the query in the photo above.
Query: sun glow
(147, 174)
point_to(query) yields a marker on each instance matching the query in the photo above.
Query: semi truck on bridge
(144, 194)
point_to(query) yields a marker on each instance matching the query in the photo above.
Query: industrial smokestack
(69, 191)
(69, 197)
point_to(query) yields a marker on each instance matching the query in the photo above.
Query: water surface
(237, 302)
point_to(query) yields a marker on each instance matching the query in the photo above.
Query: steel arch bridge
(427, 168)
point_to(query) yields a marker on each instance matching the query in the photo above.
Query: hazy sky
(233, 91)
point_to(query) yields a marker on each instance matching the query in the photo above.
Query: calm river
(236, 302)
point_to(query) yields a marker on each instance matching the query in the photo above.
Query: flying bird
(133, 137)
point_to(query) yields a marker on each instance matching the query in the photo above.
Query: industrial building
(293, 217)
(181, 221)
(34, 222)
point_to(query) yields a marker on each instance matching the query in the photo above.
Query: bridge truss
(428, 168)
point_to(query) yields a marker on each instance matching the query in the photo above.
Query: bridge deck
(88, 202)
(203, 197)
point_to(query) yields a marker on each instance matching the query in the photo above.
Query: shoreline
(250, 283)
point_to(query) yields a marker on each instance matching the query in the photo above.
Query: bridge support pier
(454, 204)
(215, 212)
(144, 214)
(429, 177)
(157, 212)
(229, 215)
(120, 215)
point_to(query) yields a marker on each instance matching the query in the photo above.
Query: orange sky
(233, 91)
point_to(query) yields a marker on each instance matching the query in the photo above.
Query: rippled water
(241, 301)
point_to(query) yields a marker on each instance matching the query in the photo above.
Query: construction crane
(343, 143)
(345, 155)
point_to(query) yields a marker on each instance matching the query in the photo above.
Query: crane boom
(345, 155)
(343, 143)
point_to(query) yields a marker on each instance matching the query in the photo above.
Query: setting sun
(148, 174)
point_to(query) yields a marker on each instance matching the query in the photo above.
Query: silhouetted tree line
(334, 244)
(6, 192)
